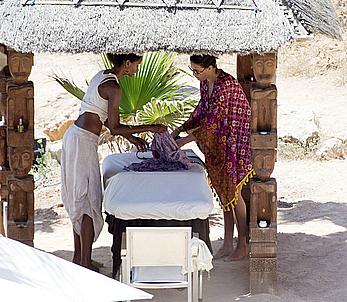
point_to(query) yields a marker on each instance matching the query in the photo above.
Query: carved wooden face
(264, 163)
(20, 65)
(21, 160)
(264, 68)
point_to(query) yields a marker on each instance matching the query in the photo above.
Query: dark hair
(204, 60)
(118, 59)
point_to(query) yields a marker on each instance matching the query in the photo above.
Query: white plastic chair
(158, 247)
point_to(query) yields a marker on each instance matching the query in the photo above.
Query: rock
(57, 132)
(342, 136)
(332, 148)
(54, 149)
(305, 131)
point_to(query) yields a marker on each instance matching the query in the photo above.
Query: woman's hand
(159, 128)
(139, 143)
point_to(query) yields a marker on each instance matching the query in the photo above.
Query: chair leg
(190, 287)
(195, 285)
(123, 274)
(200, 285)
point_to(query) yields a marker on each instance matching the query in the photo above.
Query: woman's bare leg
(77, 245)
(227, 248)
(87, 236)
(242, 228)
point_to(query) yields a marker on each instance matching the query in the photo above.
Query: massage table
(175, 198)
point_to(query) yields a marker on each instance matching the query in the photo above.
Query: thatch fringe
(316, 16)
(96, 29)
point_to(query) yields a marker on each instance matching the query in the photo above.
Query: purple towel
(167, 156)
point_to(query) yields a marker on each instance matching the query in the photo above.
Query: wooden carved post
(245, 74)
(245, 77)
(263, 204)
(4, 74)
(21, 209)
(20, 146)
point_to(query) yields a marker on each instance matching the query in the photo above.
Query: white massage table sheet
(179, 195)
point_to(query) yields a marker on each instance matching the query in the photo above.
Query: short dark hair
(204, 60)
(118, 59)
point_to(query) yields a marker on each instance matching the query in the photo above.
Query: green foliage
(157, 79)
(170, 113)
(106, 62)
(69, 86)
(151, 96)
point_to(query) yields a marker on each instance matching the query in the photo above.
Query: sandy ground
(312, 195)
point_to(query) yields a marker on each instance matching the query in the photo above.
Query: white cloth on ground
(81, 189)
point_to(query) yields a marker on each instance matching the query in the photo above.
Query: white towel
(204, 256)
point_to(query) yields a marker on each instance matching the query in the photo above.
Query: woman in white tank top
(81, 180)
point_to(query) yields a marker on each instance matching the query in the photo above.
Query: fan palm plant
(153, 95)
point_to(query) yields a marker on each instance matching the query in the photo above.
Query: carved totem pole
(257, 73)
(17, 144)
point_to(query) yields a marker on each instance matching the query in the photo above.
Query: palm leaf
(169, 113)
(69, 86)
(106, 64)
(157, 78)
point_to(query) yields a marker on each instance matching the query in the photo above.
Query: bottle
(20, 126)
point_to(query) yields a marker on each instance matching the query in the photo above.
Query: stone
(54, 148)
(333, 148)
(57, 132)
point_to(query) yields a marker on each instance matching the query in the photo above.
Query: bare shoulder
(108, 88)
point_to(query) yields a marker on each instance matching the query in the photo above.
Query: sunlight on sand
(317, 227)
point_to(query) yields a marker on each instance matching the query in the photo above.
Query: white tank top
(92, 101)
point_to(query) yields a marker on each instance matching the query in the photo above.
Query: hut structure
(254, 29)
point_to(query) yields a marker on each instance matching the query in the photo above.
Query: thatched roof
(317, 15)
(200, 26)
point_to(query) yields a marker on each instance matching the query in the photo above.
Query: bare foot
(92, 268)
(97, 264)
(239, 254)
(225, 251)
